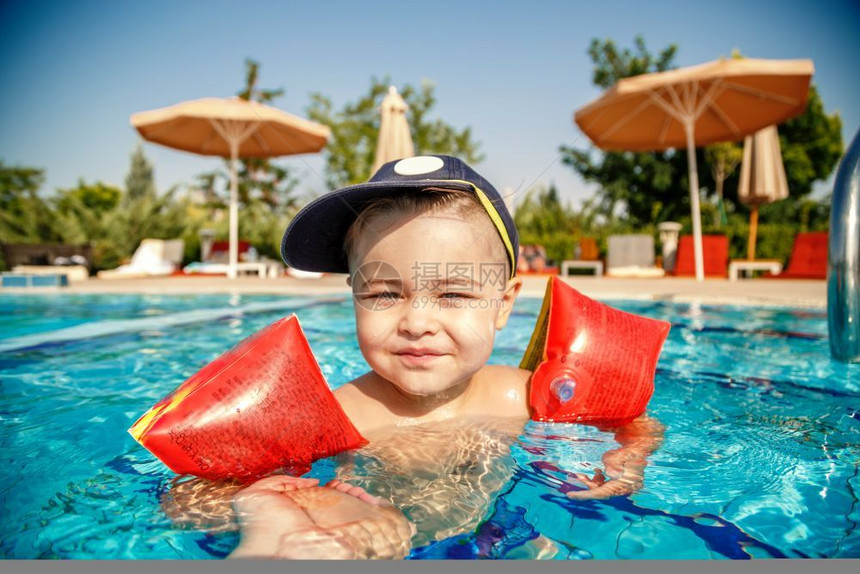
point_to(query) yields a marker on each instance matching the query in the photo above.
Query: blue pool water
(760, 457)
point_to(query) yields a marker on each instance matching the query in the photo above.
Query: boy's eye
(452, 295)
(379, 300)
(383, 295)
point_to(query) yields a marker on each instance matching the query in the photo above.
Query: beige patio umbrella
(762, 177)
(722, 100)
(234, 128)
(395, 140)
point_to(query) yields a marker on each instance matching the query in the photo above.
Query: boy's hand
(625, 465)
(268, 517)
(621, 462)
(266, 495)
(599, 488)
(286, 517)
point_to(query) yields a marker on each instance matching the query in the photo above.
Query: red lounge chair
(808, 257)
(221, 250)
(715, 252)
(588, 250)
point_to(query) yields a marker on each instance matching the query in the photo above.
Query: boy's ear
(349, 280)
(508, 298)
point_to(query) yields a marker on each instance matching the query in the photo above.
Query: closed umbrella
(395, 140)
(234, 128)
(762, 177)
(722, 100)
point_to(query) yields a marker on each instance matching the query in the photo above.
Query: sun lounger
(632, 256)
(217, 262)
(74, 261)
(808, 258)
(74, 273)
(263, 268)
(715, 253)
(299, 274)
(153, 258)
(220, 252)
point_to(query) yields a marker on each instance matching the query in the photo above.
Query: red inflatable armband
(260, 406)
(592, 363)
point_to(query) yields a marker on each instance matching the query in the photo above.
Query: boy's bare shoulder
(506, 390)
(361, 402)
(508, 375)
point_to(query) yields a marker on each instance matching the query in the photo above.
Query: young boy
(431, 253)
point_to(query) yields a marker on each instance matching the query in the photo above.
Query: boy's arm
(625, 465)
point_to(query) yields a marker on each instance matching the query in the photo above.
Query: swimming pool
(760, 457)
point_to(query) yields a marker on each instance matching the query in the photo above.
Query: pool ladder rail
(843, 265)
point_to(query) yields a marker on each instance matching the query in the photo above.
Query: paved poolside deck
(767, 292)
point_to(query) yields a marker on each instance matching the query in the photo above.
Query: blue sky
(71, 73)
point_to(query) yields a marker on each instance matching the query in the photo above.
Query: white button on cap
(418, 165)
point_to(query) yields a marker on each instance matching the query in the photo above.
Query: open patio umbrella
(395, 140)
(762, 177)
(722, 100)
(234, 128)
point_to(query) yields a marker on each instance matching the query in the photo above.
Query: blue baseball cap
(314, 239)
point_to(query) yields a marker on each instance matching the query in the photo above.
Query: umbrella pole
(694, 199)
(753, 233)
(234, 133)
(232, 269)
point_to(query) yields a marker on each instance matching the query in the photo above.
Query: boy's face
(429, 296)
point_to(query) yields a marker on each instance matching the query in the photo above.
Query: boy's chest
(452, 447)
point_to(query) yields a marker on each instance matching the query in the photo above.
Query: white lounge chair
(153, 258)
(632, 256)
(299, 274)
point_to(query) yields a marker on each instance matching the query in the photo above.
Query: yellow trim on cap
(497, 221)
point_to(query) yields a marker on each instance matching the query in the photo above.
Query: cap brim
(314, 239)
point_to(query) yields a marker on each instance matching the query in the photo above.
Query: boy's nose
(418, 319)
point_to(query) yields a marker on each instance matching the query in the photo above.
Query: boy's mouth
(418, 351)
(417, 356)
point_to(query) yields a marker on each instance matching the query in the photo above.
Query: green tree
(811, 145)
(80, 212)
(98, 197)
(723, 158)
(355, 129)
(541, 213)
(611, 65)
(251, 92)
(18, 182)
(139, 182)
(24, 216)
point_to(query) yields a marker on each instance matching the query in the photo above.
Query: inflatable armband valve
(260, 406)
(592, 363)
